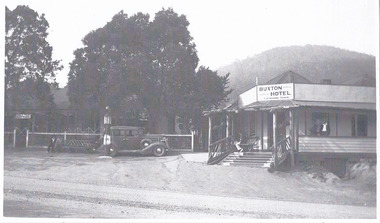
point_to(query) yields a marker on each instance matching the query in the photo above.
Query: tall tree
(28, 57)
(132, 64)
(109, 70)
(209, 91)
(174, 64)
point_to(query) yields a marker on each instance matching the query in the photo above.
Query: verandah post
(275, 139)
(209, 133)
(192, 141)
(292, 141)
(14, 138)
(232, 125)
(296, 136)
(227, 124)
(27, 138)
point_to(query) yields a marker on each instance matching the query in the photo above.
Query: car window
(116, 132)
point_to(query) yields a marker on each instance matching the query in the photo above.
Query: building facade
(296, 119)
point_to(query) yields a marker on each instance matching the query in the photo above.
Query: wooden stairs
(257, 159)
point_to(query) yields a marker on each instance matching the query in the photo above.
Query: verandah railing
(220, 150)
(281, 152)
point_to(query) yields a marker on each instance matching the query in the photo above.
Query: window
(359, 125)
(320, 124)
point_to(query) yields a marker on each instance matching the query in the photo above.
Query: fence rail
(177, 142)
(42, 139)
(180, 142)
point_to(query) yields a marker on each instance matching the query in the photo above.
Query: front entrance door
(281, 124)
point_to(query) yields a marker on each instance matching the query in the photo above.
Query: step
(239, 164)
(262, 156)
(246, 161)
(248, 165)
(250, 157)
(256, 153)
(256, 159)
(253, 153)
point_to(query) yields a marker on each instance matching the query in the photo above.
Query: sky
(224, 31)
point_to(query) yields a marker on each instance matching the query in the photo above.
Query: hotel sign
(275, 92)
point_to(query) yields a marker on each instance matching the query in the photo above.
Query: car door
(116, 138)
(133, 140)
(124, 139)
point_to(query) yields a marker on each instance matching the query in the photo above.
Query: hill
(311, 61)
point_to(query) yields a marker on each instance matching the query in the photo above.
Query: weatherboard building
(291, 119)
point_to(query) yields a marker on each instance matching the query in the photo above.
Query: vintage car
(132, 139)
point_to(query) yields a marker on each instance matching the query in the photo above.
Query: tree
(28, 59)
(210, 91)
(174, 62)
(132, 64)
(109, 70)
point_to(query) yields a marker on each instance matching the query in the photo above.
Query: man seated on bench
(247, 144)
(243, 140)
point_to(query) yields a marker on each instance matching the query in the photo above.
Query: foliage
(134, 65)
(29, 67)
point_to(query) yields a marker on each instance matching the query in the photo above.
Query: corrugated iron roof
(289, 77)
(268, 105)
(233, 106)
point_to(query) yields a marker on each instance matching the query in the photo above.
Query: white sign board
(107, 120)
(275, 92)
(23, 116)
(106, 139)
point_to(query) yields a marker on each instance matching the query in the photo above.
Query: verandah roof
(273, 105)
(268, 105)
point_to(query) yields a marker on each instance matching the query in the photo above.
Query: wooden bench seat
(251, 144)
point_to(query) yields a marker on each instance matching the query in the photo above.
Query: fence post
(192, 141)
(64, 137)
(27, 138)
(14, 138)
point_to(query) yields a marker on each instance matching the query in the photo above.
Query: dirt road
(85, 186)
(86, 200)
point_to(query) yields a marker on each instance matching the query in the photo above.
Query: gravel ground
(37, 184)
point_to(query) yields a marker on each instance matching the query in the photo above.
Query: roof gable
(289, 77)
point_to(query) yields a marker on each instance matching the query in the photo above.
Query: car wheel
(145, 143)
(111, 150)
(159, 151)
(91, 149)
